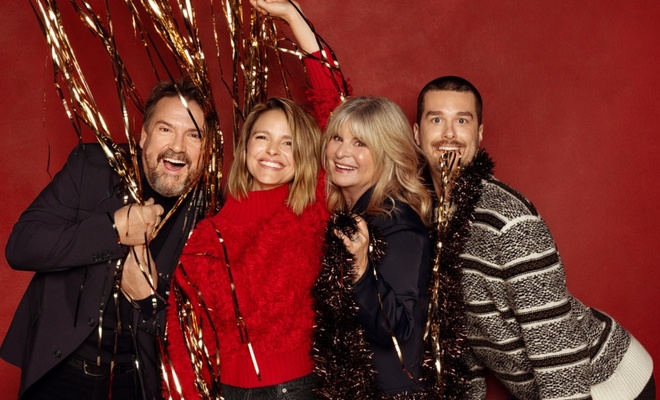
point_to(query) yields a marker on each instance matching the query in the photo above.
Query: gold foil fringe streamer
(249, 60)
(74, 92)
(192, 326)
(240, 322)
(186, 48)
(81, 108)
(249, 56)
(249, 67)
(449, 168)
(78, 100)
(336, 74)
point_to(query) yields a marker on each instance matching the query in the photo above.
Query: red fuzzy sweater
(274, 257)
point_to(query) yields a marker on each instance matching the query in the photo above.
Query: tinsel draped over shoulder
(342, 358)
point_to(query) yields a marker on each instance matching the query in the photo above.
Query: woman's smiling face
(270, 151)
(350, 164)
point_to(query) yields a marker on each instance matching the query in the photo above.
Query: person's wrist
(294, 18)
(360, 269)
(114, 226)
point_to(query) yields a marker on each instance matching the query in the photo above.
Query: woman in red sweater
(245, 274)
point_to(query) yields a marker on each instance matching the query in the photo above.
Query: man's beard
(167, 185)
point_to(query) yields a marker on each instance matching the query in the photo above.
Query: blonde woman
(372, 167)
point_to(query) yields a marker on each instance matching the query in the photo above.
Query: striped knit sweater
(522, 323)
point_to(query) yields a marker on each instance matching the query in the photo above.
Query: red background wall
(571, 93)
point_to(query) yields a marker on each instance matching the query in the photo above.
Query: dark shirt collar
(361, 205)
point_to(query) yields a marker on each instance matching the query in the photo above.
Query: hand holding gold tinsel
(285, 9)
(340, 351)
(289, 11)
(134, 222)
(307, 41)
(139, 278)
(357, 243)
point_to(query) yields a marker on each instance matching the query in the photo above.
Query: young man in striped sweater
(521, 321)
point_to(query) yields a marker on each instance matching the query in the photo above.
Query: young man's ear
(416, 132)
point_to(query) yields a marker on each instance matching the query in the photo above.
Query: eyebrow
(269, 133)
(442, 113)
(171, 126)
(161, 121)
(254, 132)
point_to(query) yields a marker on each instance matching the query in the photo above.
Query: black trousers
(297, 389)
(67, 382)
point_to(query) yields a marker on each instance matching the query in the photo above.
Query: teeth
(174, 161)
(271, 164)
(345, 167)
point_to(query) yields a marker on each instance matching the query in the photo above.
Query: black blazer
(67, 237)
(403, 279)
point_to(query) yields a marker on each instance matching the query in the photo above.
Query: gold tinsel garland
(448, 168)
(463, 191)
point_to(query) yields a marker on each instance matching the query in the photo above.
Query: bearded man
(87, 325)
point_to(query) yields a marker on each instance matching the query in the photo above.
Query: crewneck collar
(257, 205)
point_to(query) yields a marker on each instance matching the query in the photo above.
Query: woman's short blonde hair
(383, 127)
(306, 154)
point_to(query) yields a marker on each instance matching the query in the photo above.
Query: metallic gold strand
(449, 168)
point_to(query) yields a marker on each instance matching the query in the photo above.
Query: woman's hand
(291, 12)
(358, 246)
(276, 8)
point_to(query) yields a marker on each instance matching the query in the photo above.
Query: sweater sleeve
(536, 292)
(64, 227)
(396, 280)
(327, 86)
